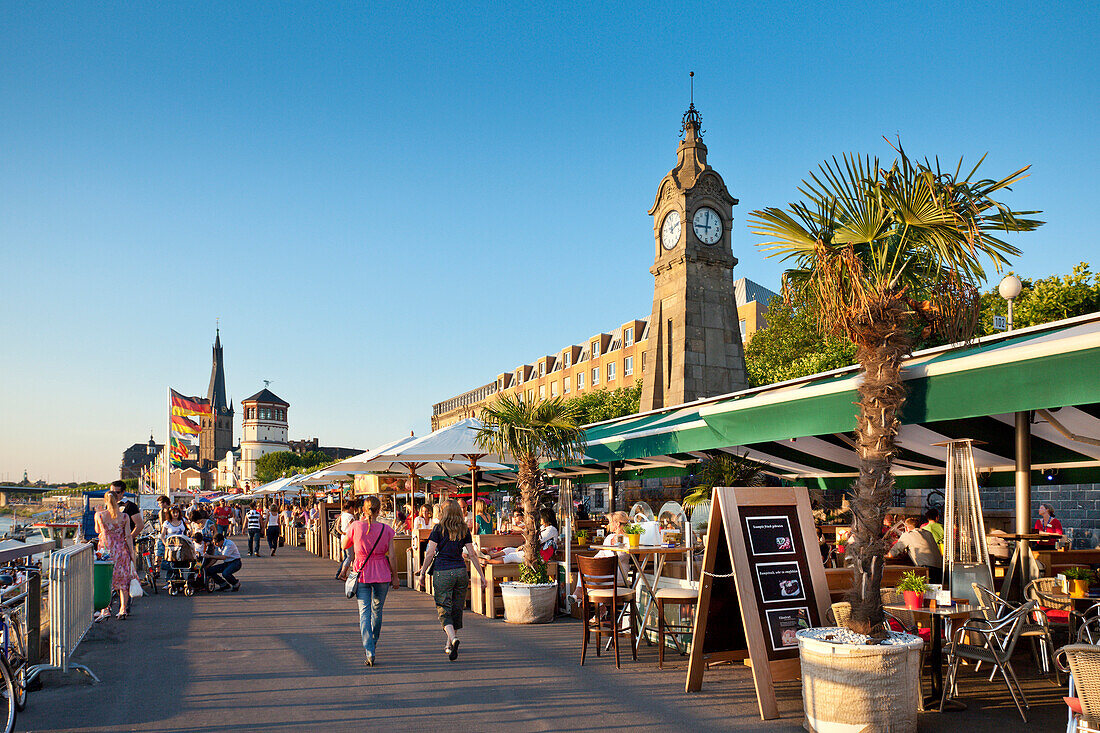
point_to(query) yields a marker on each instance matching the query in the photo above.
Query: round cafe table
(936, 617)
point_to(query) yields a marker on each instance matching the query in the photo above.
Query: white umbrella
(456, 443)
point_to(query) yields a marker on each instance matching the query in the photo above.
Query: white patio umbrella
(396, 457)
(455, 443)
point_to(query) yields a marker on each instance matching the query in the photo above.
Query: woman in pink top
(374, 561)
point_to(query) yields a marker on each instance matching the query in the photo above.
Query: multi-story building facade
(604, 361)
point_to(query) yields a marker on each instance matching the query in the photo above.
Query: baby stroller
(183, 568)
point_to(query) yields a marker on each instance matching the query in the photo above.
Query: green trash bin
(101, 583)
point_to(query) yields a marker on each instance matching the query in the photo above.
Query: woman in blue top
(482, 521)
(449, 575)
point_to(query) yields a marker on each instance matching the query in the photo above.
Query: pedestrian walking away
(253, 522)
(448, 569)
(372, 543)
(347, 517)
(113, 527)
(273, 528)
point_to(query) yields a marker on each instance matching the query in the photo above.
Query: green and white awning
(802, 428)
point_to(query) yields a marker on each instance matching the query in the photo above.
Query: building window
(611, 371)
(628, 337)
(554, 388)
(542, 391)
(628, 366)
(580, 381)
(567, 356)
(565, 385)
(530, 394)
(519, 376)
(542, 368)
(741, 325)
(595, 376)
(595, 349)
(643, 362)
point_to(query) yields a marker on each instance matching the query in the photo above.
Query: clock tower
(694, 348)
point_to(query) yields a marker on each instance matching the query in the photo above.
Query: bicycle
(13, 649)
(147, 563)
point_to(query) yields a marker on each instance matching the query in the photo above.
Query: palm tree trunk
(882, 345)
(526, 474)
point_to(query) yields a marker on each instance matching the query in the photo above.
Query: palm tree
(885, 254)
(724, 469)
(529, 432)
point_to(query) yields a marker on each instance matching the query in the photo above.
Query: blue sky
(386, 205)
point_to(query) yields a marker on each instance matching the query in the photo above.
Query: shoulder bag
(351, 585)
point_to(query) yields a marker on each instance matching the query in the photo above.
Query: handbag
(135, 585)
(351, 585)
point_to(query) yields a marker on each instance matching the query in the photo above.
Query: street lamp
(1009, 288)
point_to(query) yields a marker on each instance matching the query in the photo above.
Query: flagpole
(168, 448)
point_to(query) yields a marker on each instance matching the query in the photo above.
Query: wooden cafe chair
(599, 591)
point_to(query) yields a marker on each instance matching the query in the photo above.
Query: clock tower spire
(694, 348)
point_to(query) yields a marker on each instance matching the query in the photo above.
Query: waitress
(1047, 523)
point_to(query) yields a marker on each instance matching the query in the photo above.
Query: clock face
(670, 230)
(707, 225)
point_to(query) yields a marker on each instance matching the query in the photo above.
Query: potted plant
(582, 536)
(529, 431)
(1079, 579)
(912, 587)
(885, 257)
(633, 534)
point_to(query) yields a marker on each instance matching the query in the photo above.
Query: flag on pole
(185, 406)
(181, 427)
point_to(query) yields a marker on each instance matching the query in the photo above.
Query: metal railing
(70, 602)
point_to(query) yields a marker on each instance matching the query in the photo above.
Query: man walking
(253, 523)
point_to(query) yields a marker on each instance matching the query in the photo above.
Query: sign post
(762, 581)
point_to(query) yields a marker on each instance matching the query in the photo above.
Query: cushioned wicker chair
(1083, 700)
(995, 642)
(1056, 610)
(1035, 628)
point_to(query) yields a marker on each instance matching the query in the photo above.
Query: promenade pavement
(284, 654)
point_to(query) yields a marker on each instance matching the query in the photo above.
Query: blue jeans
(370, 597)
(254, 536)
(225, 571)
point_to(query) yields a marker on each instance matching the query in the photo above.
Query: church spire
(216, 391)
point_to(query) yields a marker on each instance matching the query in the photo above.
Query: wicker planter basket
(529, 604)
(853, 688)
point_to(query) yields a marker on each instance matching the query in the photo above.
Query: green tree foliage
(1048, 299)
(604, 404)
(286, 463)
(792, 346)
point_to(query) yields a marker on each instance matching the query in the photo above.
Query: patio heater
(965, 553)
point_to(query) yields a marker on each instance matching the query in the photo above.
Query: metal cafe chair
(997, 640)
(1035, 629)
(600, 590)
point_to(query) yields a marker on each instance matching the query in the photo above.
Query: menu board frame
(737, 531)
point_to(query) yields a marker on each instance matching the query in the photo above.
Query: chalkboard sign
(764, 539)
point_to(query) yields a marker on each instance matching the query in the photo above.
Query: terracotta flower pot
(633, 539)
(913, 599)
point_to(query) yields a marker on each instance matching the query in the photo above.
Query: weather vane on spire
(266, 382)
(692, 116)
